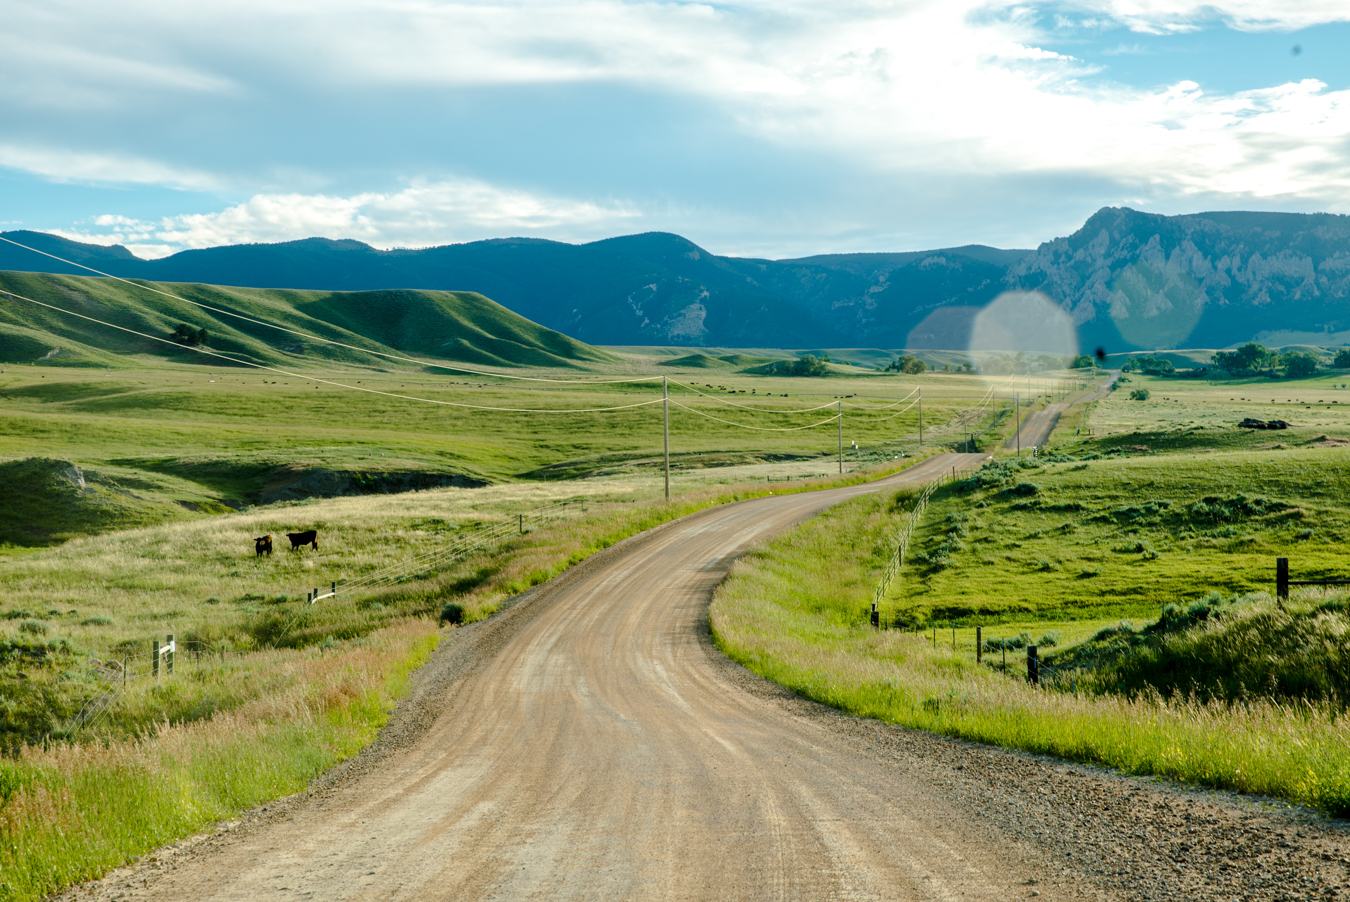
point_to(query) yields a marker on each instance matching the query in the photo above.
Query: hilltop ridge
(454, 326)
(1129, 279)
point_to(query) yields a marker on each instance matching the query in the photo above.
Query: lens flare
(1022, 331)
(1156, 305)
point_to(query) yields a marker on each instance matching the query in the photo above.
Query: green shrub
(34, 627)
(1139, 394)
(452, 613)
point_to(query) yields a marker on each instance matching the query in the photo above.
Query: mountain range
(1129, 280)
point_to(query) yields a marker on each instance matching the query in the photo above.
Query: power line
(746, 406)
(360, 388)
(881, 419)
(767, 410)
(756, 428)
(330, 341)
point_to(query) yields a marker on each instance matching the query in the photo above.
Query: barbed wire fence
(902, 540)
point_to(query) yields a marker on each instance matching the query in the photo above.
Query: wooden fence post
(979, 645)
(1282, 578)
(169, 644)
(1033, 666)
(876, 616)
(154, 656)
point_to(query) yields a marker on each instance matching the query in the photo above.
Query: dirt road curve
(1038, 426)
(588, 743)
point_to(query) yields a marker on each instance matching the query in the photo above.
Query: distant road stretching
(1038, 426)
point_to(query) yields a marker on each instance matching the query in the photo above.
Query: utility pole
(1017, 401)
(665, 407)
(841, 438)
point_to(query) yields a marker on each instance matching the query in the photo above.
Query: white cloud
(1171, 16)
(924, 88)
(421, 214)
(66, 165)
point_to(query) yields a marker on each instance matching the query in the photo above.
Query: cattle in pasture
(262, 545)
(301, 539)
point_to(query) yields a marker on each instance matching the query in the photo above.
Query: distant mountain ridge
(1132, 279)
(1129, 279)
(653, 288)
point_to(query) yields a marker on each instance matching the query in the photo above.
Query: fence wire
(902, 541)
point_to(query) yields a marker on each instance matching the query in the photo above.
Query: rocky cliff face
(1137, 280)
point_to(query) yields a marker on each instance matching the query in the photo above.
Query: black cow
(301, 539)
(262, 545)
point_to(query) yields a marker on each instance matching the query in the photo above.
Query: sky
(769, 129)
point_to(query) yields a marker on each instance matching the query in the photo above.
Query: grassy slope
(453, 326)
(1177, 504)
(1118, 537)
(794, 611)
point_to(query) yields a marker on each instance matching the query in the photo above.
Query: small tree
(186, 335)
(1342, 359)
(1299, 365)
(1081, 362)
(1246, 360)
(1139, 394)
(805, 365)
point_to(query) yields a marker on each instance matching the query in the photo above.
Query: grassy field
(134, 477)
(795, 611)
(70, 812)
(1139, 554)
(1120, 536)
(182, 434)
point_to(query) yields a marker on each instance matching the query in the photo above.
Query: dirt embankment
(292, 483)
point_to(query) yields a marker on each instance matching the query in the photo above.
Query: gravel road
(1038, 426)
(589, 743)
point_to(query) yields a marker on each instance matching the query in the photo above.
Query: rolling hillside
(650, 289)
(457, 326)
(1130, 280)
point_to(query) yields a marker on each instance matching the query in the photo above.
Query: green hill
(698, 361)
(449, 325)
(45, 501)
(701, 361)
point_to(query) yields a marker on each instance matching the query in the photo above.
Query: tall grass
(174, 755)
(69, 812)
(795, 612)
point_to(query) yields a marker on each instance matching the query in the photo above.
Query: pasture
(1139, 553)
(140, 494)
